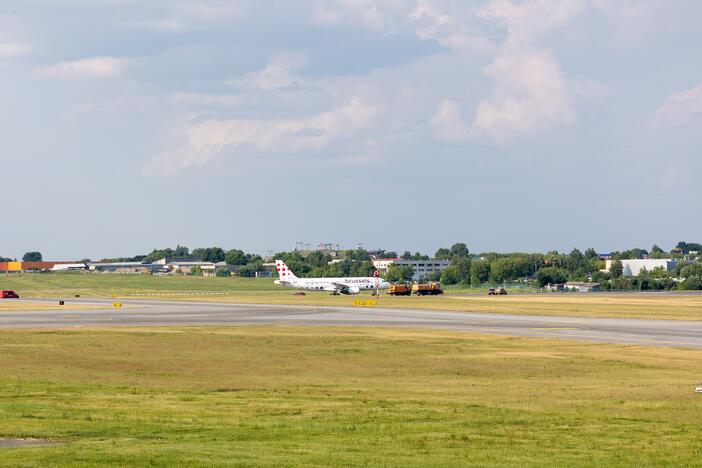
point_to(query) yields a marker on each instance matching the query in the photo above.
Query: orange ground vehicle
(399, 290)
(427, 289)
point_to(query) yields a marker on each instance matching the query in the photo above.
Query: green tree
(443, 254)
(406, 255)
(464, 266)
(657, 252)
(591, 254)
(210, 254)
(632, 254)
(399, 273)
(181, 251)
(459, 250)
(32, 257)
(687, 247)
(419, 256)
(356, 254)
(158, 254)
(479, 272)
(691, 284)
(551, 275)
(236, 257)
(616, 269)
(575, 261)
(510, 268)
(451, 275)
(249, 269)
(362, 268)
(295, 262)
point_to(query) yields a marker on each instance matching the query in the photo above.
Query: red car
(9, 295)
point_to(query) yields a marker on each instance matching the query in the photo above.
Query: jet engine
(353, 290)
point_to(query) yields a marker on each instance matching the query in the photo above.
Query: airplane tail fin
(284, 273)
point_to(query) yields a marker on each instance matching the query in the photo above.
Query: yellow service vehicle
(427, 289)
(399, 290)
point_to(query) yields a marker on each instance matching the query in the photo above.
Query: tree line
(465, 268)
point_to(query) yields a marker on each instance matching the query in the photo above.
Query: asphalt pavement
(665, 333)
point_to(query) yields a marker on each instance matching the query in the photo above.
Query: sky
(509, 125)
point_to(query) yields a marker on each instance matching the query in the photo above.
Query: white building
(423, 269)
(634, 267)
(581, 287)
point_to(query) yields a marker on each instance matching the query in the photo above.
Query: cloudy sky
(402, 124)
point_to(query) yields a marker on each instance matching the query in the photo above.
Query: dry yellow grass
(262, 291)
(643, 306)
(11, 306)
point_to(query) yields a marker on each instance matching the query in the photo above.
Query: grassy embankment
(286, 396)
(263, 291)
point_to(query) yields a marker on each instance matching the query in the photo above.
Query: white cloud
(451, 29)
(530, 92)
(98, 67)
(530, 95)
(207, 99)
(194, 15)
(280, 72)
(635, 19)
(162, 24)
(206, 140)
(447, 123)
(10, 50)
(527, 21)
(326, 16)
(680, 108)
(385, 15)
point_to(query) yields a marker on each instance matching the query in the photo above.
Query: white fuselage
(353, 285)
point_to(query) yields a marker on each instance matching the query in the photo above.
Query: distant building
(33, 266)
(382, 264)
(572, 287)
(127, 267)
(582, 287)
(178, 260)
(69, 267)
(636, 266)
(423, 269)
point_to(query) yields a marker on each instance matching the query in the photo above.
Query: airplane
(334, 285)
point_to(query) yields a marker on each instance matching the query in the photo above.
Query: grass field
(325, 396)
(263, 291)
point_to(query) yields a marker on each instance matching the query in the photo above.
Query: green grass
(324, 396)
(104, 285)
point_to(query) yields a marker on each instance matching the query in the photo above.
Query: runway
(664, 333)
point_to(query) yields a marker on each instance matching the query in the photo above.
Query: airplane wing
(341, 288)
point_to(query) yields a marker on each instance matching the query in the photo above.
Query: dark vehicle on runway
(497, 292)
(9, 295)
